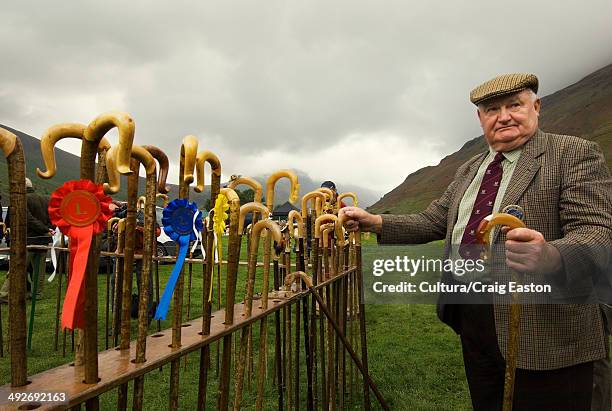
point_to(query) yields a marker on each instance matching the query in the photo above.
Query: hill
(583, 109)
(68, 169)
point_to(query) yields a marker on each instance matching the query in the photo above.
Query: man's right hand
(359, 219)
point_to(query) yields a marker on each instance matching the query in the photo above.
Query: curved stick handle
(110, 222)
(164, 165)
(189, 151)
(49, 140)
(248, 181)
(120, 236)
(163, 197)
(349, 194)
(7, 141)
(325, 218)
(273, 229)
(252, 207)
(327, 191)
(124, 123)
(312, 196)
(112, 157)
(325, 229)
(271, 182)
(295, 215)
(212, 159)
(230, 194)
(296, 276)
(489, 222)
(140, 204)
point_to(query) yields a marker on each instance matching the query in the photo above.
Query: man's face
(509, 122)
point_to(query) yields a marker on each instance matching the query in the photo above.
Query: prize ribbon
(80, 210)
(219, 217)
(181, 219)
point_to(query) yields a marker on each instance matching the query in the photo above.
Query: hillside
(583, 109)
(68, 169)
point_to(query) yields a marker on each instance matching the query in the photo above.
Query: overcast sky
(359, 92)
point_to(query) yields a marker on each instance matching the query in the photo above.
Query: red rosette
(80, 209)
(67, 217)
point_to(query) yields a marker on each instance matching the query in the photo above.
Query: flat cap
(502, 85)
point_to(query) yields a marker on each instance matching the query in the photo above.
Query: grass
(414, 358)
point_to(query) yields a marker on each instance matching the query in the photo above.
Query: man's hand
(360, 219)
(528, 252)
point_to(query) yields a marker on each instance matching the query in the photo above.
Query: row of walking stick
(315, 300)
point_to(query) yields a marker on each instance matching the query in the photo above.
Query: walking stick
(109, 226)
(139, 156)
(274, 231)
(261, 210)
(313, 258)
(91, 137)
(189, 149)
(323, 237)
(342, 196)
(13, 151)
(483, 235)
(165, 200)
(118, 275)
(211, 158)
(300, 274)
(233, 258)
(297, 217)
(293, 197)
(309, 197)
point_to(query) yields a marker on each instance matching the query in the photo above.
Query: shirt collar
(511, 156)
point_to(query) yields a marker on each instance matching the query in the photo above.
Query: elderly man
(564, 187)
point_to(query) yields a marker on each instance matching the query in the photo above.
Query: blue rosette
(181, 220)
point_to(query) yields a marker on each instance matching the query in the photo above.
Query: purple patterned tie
(482, 206)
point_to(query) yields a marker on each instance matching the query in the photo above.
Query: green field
(414, 358)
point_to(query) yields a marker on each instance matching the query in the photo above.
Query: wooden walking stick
(304, 277)
(165, 200)
(189, 149)
(211, 158)
(351, 195)
(109, 233)
(274, 231)
(162, 192)
(309, 197)
(313, 198)
(323, 237)
(139, 156)
(297, 217)
(233, 258)
(293, 197)
(91, 137)
(118, 275)
(13, 151)
(483, 235)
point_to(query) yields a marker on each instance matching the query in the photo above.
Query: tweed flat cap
(502, 85)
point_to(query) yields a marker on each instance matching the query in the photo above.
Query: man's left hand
(528, 252)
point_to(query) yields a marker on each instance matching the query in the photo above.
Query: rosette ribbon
(181, 220)
(79, 208)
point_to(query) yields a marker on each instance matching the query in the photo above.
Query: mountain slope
(68, 169)
(583, 109)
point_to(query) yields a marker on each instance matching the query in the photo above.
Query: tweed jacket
(564, 186)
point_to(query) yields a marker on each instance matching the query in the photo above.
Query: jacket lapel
(526, 169)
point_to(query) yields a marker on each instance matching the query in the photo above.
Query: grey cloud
(293, 75)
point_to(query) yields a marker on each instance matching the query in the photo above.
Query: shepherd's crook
(91, 137)
(483, 236)
(13, 151)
